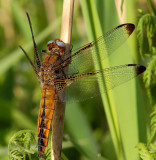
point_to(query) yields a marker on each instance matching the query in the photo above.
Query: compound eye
(50, 42)
(60, 44)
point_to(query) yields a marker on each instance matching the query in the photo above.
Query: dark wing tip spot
(128, 27)
(140, 69)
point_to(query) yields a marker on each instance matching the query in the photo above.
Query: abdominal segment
(47, 108)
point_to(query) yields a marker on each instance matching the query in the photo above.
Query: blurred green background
(88, 123)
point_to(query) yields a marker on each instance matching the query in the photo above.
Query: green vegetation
(113, 126)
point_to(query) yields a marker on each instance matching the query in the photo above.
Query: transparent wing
(83, 86)
(83, 59)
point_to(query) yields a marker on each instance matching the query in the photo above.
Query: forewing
(83, 86)
(84, 58)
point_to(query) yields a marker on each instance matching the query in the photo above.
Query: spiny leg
(30, 61)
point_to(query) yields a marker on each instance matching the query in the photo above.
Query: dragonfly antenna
(36, 58)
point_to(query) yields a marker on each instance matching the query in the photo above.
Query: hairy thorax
(49, 71)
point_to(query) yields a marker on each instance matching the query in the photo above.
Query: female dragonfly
(81, 75)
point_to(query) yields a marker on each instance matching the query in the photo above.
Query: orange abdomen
(47, 108)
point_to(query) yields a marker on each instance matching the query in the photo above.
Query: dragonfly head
(56, 45)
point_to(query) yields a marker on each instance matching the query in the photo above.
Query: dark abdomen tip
(41, 150)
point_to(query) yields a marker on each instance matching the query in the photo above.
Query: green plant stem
(94, 31)
(150, 7)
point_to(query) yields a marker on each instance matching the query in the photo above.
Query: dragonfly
(81, 77)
